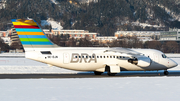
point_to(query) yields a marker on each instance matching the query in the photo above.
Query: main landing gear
(97, 73)
(107, 68)
(166, 72)
(112, 74)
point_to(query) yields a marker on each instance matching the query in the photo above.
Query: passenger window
(79, 56)
(100, 56)
(117, 57)
(75, 56)
(82, 56)
(97, 56)
(114, 57)
(89, 56)
(110, 56)
(104, 56)
(92, 56)
(86, 56)
(107, 56)
(120, 57)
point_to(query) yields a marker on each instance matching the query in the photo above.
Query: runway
(88, 75)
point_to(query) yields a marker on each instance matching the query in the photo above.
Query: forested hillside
(104, 17)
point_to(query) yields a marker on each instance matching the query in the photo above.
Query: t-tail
(31, 35)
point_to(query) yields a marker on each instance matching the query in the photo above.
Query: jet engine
(141, 61)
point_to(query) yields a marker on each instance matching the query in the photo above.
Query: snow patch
(55, 25)
(54, 1)
(145, 25)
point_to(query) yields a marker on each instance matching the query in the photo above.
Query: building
(104, 39)
(144, 39)
(137, 33)
(4, 33)
(5, 36)
(172, 34)
(154, 35)
(87, 1)
(7, 40)
(72, 33)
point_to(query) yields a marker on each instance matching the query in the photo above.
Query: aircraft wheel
(97, 73)
(112, 74)
(166, 72)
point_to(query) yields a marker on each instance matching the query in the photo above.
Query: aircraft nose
(172, 63)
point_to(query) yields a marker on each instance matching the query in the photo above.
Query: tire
(166, 72)
(97, 73)
(111, 74)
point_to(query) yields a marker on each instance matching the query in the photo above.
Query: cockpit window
(164, 56)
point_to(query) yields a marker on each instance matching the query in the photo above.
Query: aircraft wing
(136, 58)
(124, 52)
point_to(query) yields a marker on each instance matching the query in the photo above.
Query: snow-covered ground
(82, 89)
(91, 89)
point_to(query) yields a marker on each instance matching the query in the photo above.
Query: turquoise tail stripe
(36, 43)
(27, 30)
(32, 36)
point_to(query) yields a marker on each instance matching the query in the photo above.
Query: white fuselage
(95, 59)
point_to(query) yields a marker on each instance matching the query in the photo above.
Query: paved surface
(87, 75)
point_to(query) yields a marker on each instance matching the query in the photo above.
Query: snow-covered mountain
(104, 17)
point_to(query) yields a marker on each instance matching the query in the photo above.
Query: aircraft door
(66, 58)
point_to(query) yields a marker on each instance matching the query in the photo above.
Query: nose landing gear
(166, 72)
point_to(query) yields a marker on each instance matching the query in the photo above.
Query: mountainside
(104, 17)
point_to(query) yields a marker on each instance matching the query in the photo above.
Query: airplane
(40, 48)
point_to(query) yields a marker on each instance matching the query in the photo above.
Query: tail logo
(30, 34)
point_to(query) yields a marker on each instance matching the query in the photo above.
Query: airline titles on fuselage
(83, 57)
(79, 58)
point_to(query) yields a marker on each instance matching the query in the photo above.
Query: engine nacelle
(141, 61)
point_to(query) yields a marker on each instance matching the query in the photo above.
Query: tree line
(126, 42)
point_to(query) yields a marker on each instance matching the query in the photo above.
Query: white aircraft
(113, 60)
